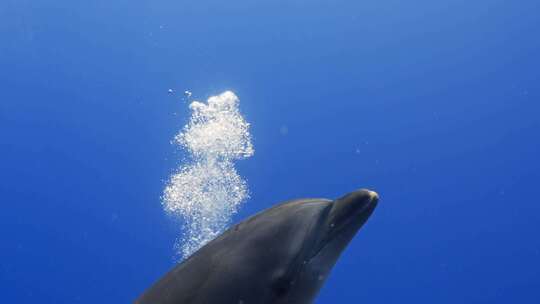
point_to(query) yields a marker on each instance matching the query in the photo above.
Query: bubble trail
(207, 190)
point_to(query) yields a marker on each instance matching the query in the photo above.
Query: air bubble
(207, 190)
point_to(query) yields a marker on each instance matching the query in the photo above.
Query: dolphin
(280, 255)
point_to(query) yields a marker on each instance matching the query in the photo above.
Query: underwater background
(433, 104)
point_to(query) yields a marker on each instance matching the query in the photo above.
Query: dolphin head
(334, 230)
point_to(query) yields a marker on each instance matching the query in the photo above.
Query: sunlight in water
(206, 191)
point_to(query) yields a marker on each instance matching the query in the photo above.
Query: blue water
(433, 104)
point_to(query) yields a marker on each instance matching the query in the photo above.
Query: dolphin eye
(281, 286)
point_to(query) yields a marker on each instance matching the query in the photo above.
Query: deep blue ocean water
(433, 104)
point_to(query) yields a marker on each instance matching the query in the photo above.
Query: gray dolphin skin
(280, 255)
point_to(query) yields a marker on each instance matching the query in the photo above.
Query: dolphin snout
(373, 196)
(361, 197)
(359, 203)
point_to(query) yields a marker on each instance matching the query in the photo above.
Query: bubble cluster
(206, 190)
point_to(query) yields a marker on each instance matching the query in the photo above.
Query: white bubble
(207, 190)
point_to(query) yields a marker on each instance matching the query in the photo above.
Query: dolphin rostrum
(280, 255)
